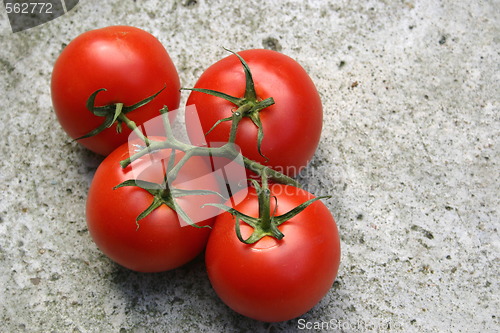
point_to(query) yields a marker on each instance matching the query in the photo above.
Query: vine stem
(264, 204)
(133, 126)
(228, 150)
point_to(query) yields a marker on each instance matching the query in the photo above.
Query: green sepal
(177, 193)
(145, 185)
(218, 122)
(100, 111)
(106, 124)
(162, 195)
(229, 98)
(251, 221)
(249, 105)
(127, 109)
(182, 193)
(112, 113)
(109, 112)
(278, 220)
(260, 132)
(250, 94)
(157, 202)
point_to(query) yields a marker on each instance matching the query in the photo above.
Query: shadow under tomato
(182, 295)
(162, 294)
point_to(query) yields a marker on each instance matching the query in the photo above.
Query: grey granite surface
(409, 154)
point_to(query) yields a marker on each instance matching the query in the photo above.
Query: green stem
(154, 146)
(133, 126)
(228, 151)
(264, 204)
(236, 118)
(166, 123)
(172, 174)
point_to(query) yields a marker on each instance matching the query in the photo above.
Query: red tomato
(130, 63)
(275, 280)
(160, 241)
(292, 126)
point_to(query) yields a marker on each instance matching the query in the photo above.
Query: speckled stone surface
(409, 154)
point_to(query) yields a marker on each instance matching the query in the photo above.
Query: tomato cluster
(156, 203)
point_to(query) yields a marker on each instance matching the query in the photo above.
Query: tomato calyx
(165, 194)
(115, 113)
(267, 223)
(249, 105)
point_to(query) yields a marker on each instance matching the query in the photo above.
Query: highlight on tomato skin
(130, 64)
(275, 280)
(160, 241)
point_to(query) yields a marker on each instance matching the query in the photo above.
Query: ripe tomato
(159, 241)
(275, 280)
(292, 126)
(130, 63)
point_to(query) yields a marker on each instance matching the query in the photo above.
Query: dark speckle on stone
(35, 281)
(190, 3)
(426, 233)
(271, 43)
(55, 277)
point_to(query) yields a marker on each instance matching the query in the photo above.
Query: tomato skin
(160, 242)
(127, 61)
(275, 280)
(292, 126)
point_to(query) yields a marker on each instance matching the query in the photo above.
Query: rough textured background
(409, 154)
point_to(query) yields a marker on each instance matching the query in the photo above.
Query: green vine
(267, 223)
